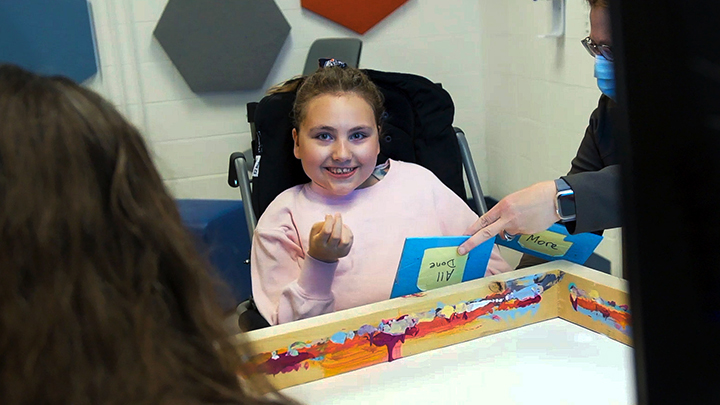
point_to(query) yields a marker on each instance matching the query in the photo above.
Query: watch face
(566, 204)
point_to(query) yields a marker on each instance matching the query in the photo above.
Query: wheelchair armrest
(232, 173)
(471, 172)
(238, 177)
(249, 317)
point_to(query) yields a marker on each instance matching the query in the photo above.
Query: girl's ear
(379, 129)
(296, 144)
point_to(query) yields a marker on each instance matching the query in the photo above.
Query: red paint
(620, 317)
(385, 339)
(442, 324)
(286, 363)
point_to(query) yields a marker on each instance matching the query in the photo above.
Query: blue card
(432, 262)
(555, 243)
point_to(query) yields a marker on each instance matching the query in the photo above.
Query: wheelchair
(418, 128)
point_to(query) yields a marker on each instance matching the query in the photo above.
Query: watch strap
(564, 201)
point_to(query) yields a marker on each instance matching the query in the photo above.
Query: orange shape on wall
(358, 15)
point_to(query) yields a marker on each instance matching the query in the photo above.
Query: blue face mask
(605, 74)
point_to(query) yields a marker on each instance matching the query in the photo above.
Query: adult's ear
(296, 143)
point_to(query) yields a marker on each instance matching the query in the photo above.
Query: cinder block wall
(522, 101)
(192, 136)
(539, 94)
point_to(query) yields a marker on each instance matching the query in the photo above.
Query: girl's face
(337, 143)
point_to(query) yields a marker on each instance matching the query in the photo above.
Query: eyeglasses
(597, 50)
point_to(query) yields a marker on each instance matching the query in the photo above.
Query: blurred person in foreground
(103, 297)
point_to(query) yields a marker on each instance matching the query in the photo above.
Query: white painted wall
(522, 101)
(539, 94)
(193, 135)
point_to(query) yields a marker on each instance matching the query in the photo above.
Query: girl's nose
(341, 151)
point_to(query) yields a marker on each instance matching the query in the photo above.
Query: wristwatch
(564, 201)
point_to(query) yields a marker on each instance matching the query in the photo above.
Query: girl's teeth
(341, 170)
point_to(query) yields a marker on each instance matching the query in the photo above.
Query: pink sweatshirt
(288, 284)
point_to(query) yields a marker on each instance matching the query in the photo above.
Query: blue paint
(366, 330)
(599, 317)
(521, 289)
(293, 348)
(525, 293)
(514, 313)
(338, 338)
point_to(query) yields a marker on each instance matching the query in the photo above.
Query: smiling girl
(335, 243)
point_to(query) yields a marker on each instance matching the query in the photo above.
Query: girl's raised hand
(330, 240)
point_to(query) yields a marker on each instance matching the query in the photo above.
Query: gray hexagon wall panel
(222, 45)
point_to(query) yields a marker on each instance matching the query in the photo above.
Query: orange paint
(378, 347)
(620, 317)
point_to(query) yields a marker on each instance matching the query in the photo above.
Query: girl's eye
(323, 136)
(358, 135)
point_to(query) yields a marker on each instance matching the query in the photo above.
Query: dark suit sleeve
(597, 200)
(595, 175)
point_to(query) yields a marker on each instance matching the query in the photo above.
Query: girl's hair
(598, 3)
(103, 297)
(334, 80)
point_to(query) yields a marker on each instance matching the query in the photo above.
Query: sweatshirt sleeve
(287, 283)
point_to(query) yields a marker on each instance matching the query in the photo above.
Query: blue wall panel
(48, 36)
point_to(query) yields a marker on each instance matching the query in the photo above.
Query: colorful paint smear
(345, 351)
(607, 312)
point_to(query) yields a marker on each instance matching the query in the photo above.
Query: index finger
(482, 235)
(337, 227)
(327, 227)
(484, 221)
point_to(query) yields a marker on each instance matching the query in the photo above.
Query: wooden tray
(327, 345)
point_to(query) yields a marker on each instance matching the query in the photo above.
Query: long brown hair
(103, 297)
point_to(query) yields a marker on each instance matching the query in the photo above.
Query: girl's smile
(341, 172)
